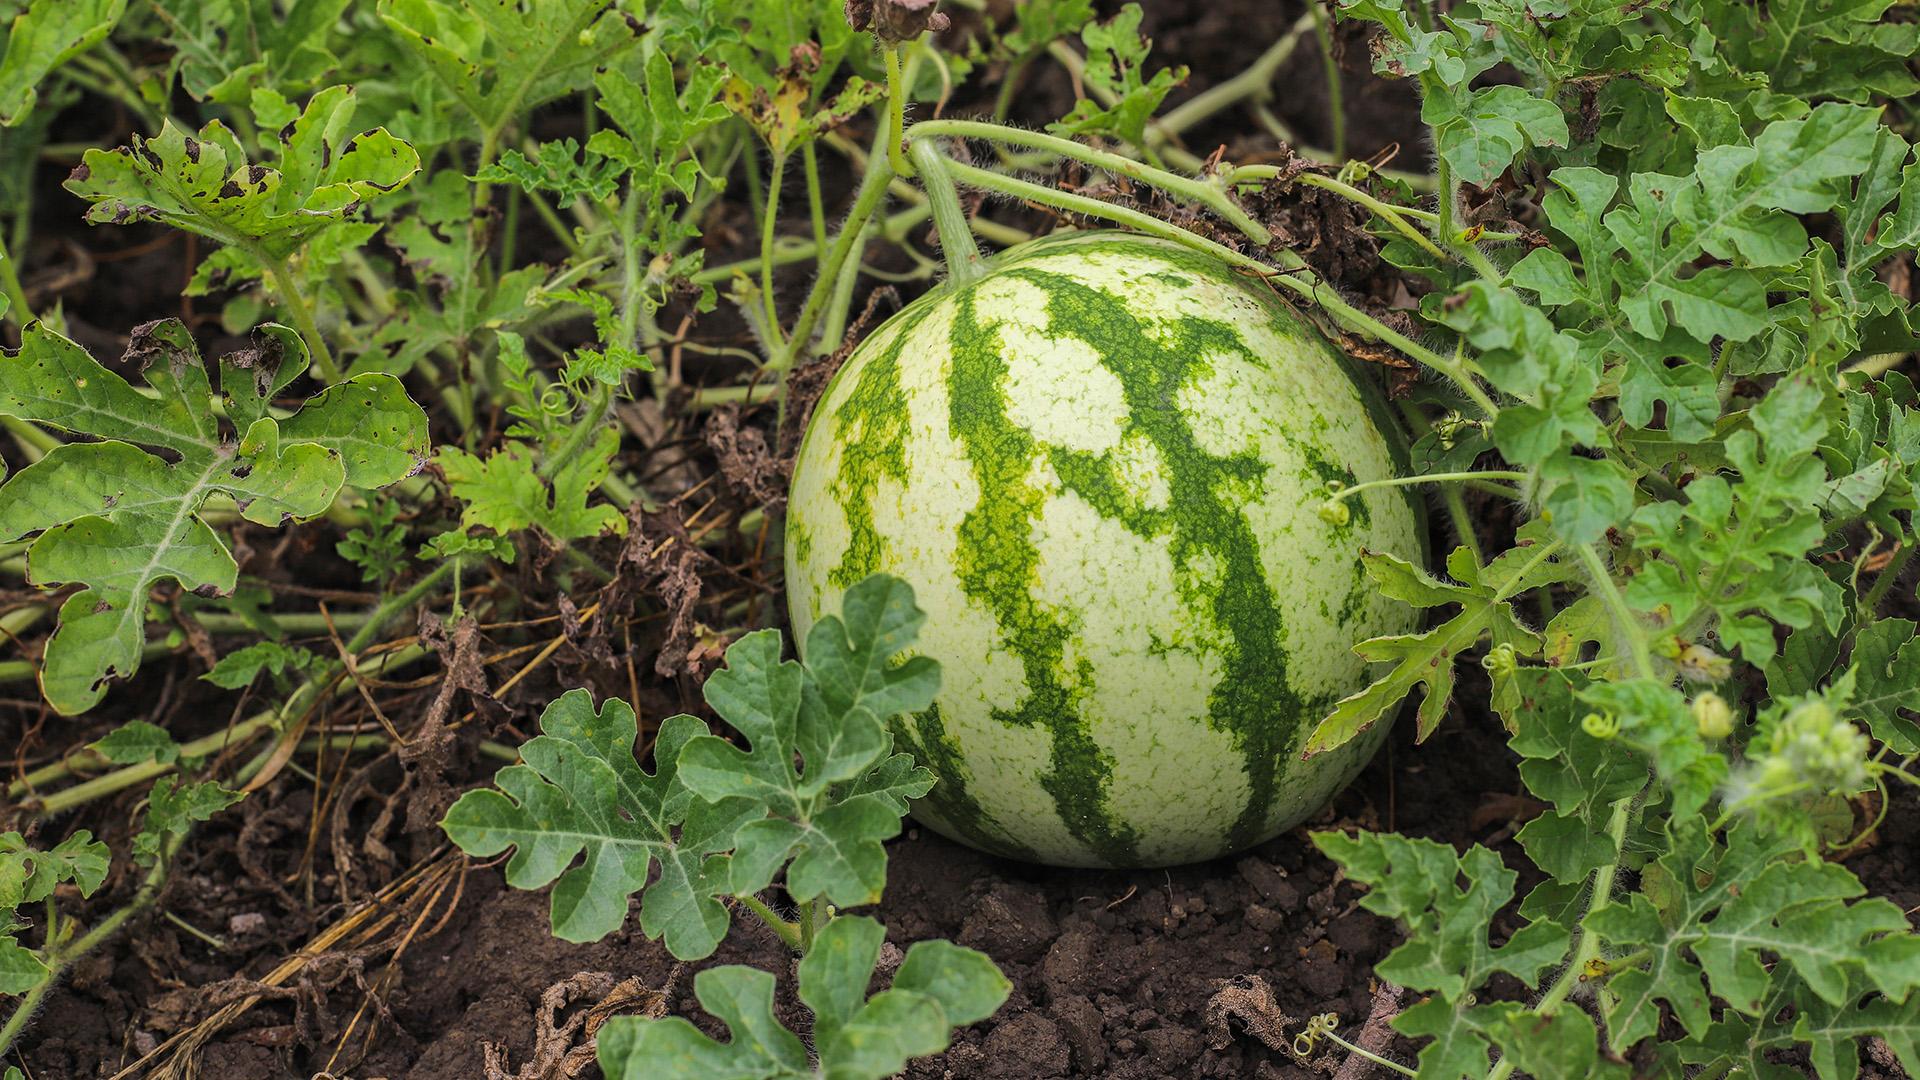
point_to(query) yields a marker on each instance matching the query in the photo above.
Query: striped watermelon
(1100, 467)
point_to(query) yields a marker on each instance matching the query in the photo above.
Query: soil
(337, 935)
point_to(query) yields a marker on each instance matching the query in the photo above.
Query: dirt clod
(1028, 1047)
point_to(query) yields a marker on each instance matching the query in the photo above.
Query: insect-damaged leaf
(204, 184)
(121, 514)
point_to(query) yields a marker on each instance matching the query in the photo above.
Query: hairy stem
(1883, 583)
(1395, 216)
(768, 219)
(1588, 946)
(964, 263)
(302, 313)
(1291, 274)
(816, 207)
(1336, 94)
(1211, 195)
(896, 113)
(1626, 623)
(787, 932)
(873, 192)
(18, 312)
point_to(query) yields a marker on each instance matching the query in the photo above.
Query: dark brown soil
(1113, 972)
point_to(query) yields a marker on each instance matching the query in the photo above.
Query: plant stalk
(62, 957)
(964, 263)
(282, 275)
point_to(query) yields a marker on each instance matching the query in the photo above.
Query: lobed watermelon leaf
(505, 492)
(938, 987)
(227, 50)
(1116, 60)
(581, 792)
(811, 729)
(1448, 954)
(322, 172)
(1427, 658)
(500, 58)
(819, 788)
(122, 514)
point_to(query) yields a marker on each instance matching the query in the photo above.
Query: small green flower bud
(1713, 716)
(1335, 512)
(1814, 745)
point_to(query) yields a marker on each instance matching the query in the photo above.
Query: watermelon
(1100, 465)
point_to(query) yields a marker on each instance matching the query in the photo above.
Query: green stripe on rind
(1170, 809)
(1235, 595)
(949, 804)
(873, 418)
(996, 562)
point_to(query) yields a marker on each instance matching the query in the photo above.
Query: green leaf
(228, 50)
(1737, 207)
(506, 493)
(1739, 550)
(1480, 132)
(20, 970)
(323, 172)
(938, 987)
(1564, 1044)
(117, 517)
(1427, 658)
(473, 302)
(1042, 22)
(631, 1048)
(1653, 719)
(172, 808)
(43, 37)
(136, 742)
(1796, 911)
(502, 58)
(1446, 953)
(1886, 665)
(1689, 882)
(581, 792)
(1116, 58)
(240, 667)
(812, 730)
(1818, 48)
(658, 122)
(557, 168)
(28, 875)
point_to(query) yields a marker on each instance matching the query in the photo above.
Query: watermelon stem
(787, 932)
(964, 264)
(769, 218)
(1626, 623)
(873, 192)
(1292, 273)
(896, 114)
(1429, 478)
(1210, 193)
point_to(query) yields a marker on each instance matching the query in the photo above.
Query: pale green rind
(1113, 692)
